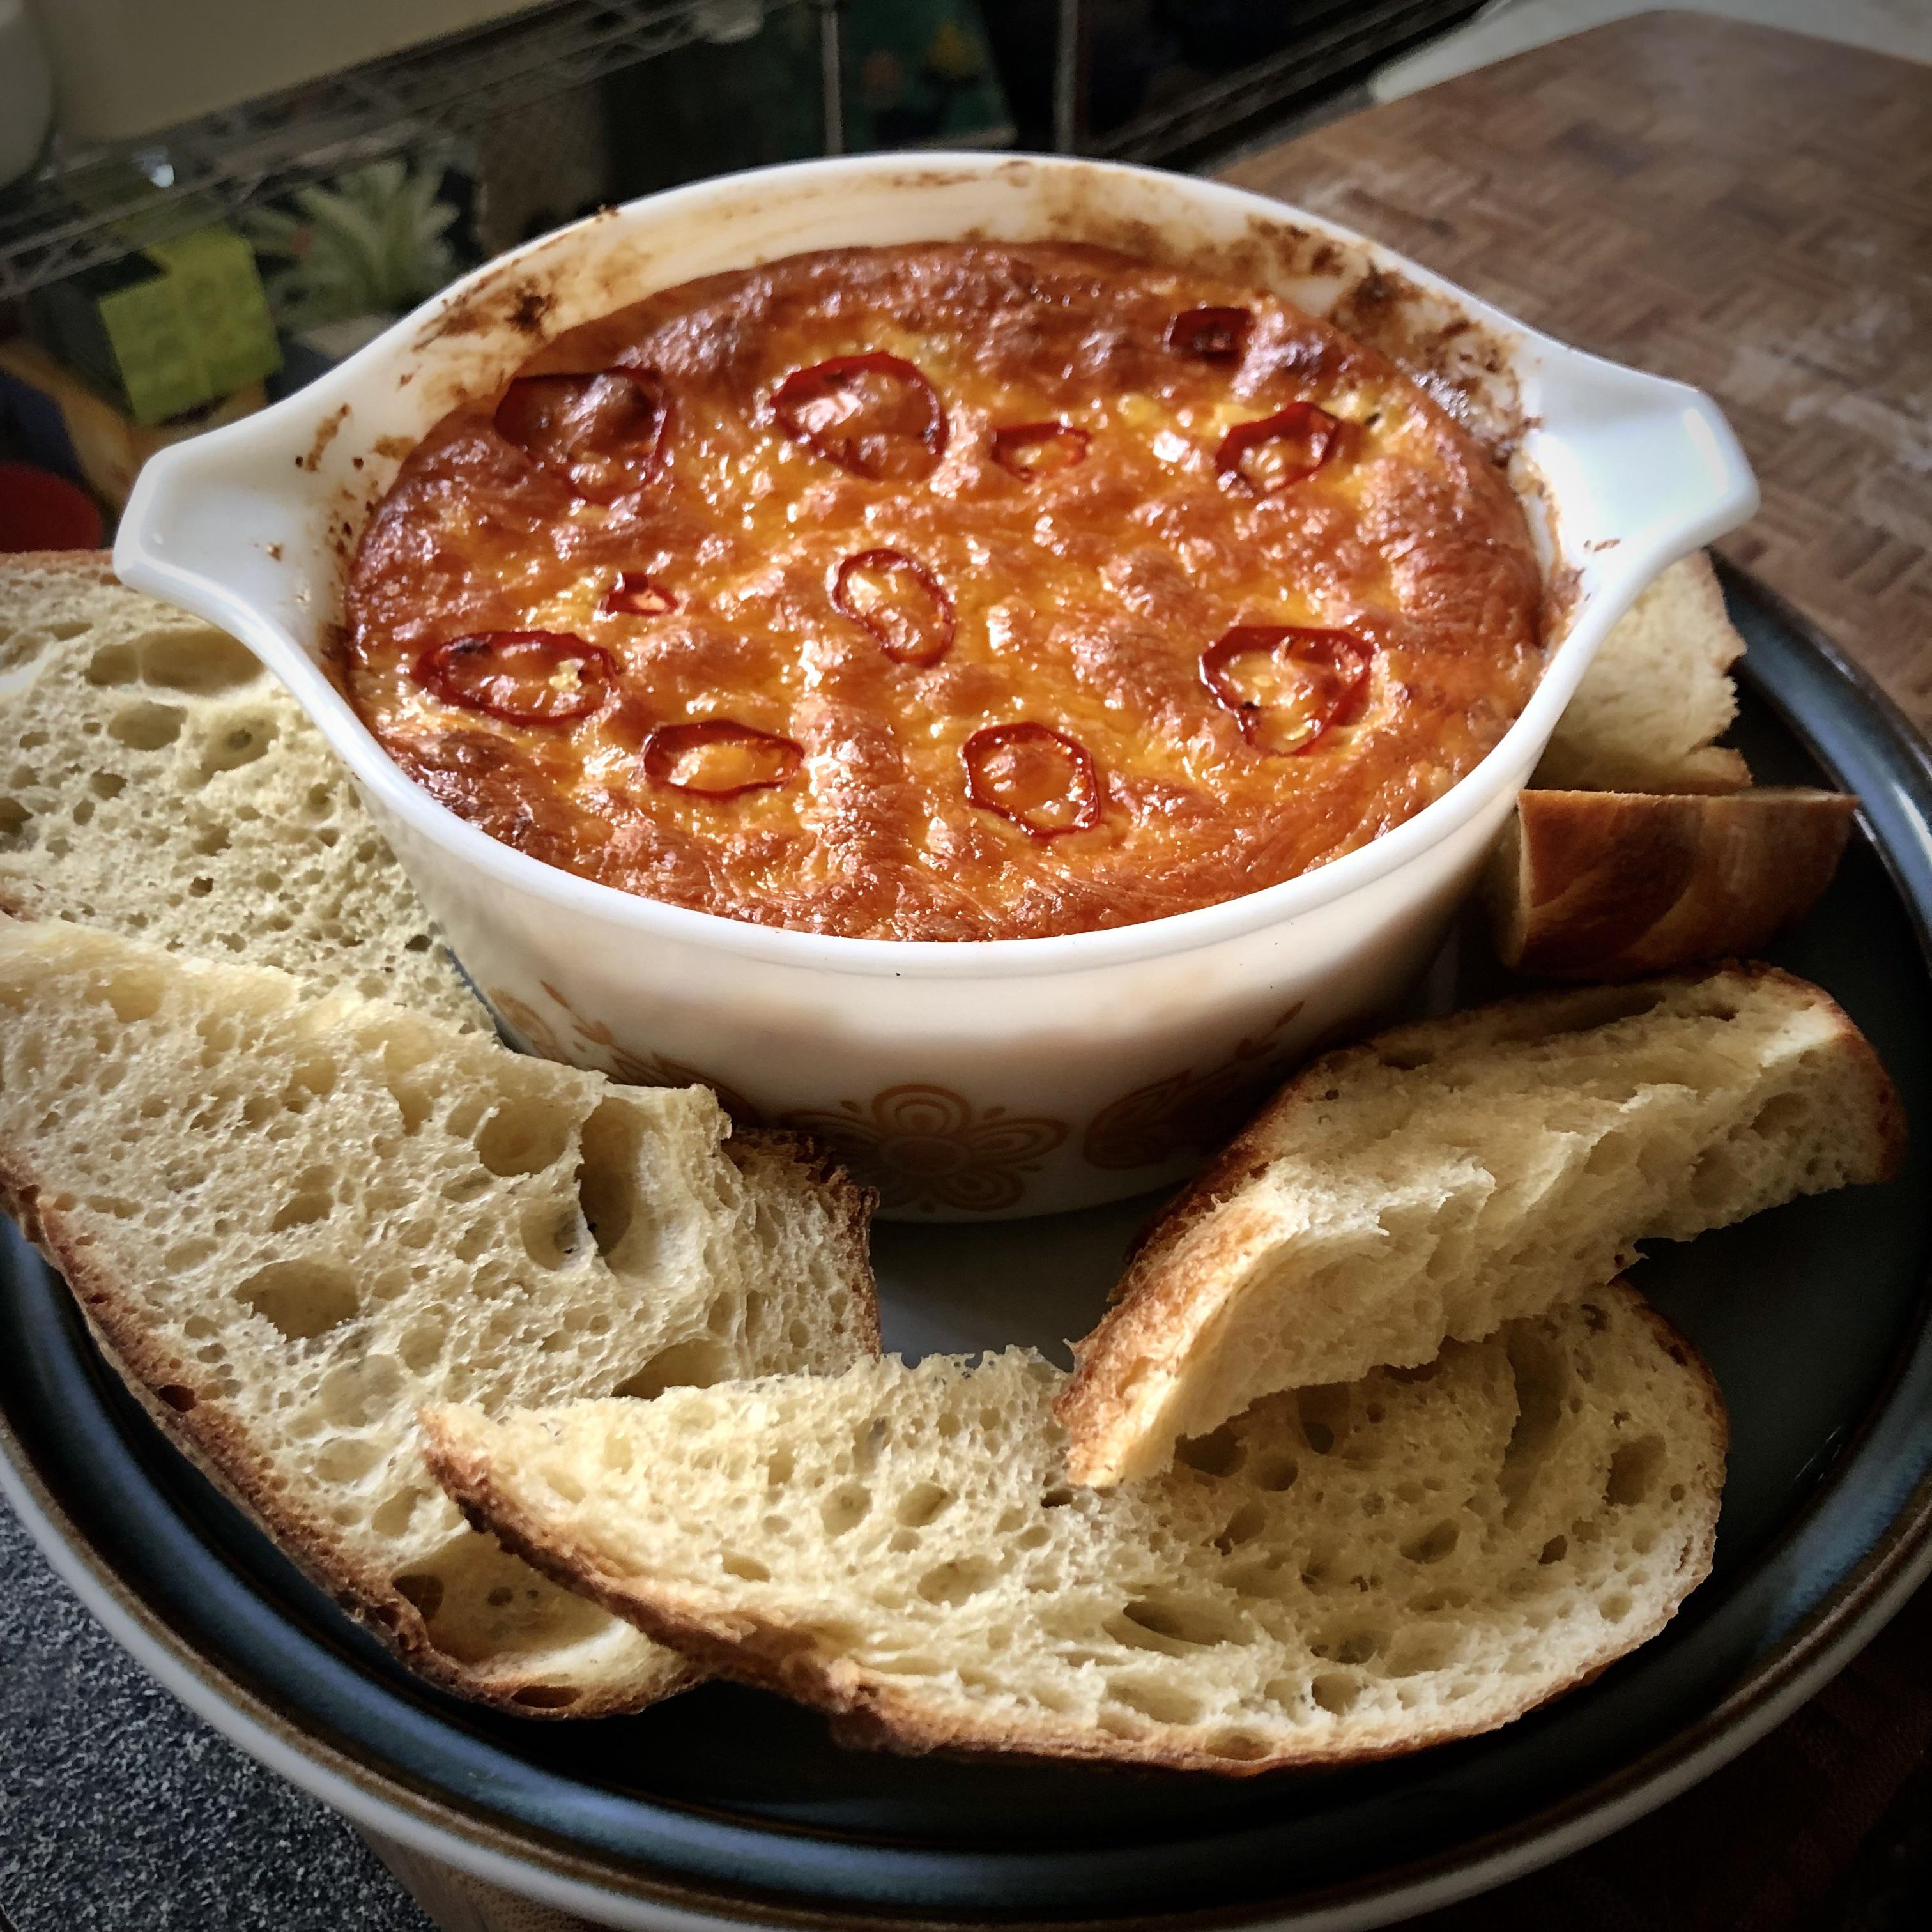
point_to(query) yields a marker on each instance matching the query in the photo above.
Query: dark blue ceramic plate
(725, 1804)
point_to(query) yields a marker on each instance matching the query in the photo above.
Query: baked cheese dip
(948, 592)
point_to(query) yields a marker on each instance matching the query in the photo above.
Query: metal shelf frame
(86, 208)
(1329, 43)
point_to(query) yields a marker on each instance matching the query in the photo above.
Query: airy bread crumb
(156, 780)
(1651, 707)
(294, 1221)
(1450, 1175)
(1345, 1573)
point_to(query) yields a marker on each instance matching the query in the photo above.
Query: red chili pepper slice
(1040, 778)
(1286, 686)
(1211, 335)
(603, 432)
(899, 601)
(875, 415)
(635, 593)
(1272, 452)
(718, 757)
(524, 677)
(1040, 448)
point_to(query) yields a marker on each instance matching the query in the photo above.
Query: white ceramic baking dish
(1008, 1077)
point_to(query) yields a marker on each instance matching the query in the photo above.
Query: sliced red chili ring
(719, 758)
(635, 593)
(1040, 778)
(603, 432)
(1272, 452)
(524, 677)
(875, 415)
(1211, 335)
(899, 601)
(1308, 682)
(1040, 448)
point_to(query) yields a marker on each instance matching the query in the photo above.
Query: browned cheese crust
(1618, 885)
(1079, 601)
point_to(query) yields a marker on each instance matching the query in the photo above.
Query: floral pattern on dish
(1189, 1112)
(928, 1147)
(536, 1034)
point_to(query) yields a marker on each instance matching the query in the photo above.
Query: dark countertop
(120, 1811)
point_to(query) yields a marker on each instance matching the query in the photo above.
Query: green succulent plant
(371, 242)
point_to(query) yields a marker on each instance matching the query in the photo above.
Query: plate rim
(373, 1798)
(376, 1798)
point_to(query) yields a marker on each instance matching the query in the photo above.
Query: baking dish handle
(1647, 469)
(235, 525)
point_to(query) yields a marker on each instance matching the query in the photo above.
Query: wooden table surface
(1750, 211)
(1744, 209)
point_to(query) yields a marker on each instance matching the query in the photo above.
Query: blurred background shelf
(1178, 82)
(222, 213)
(1151, 80)
(87, 206)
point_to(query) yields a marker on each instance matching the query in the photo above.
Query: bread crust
(1619, 885)
(220, 1449)
(1164, 1300)
(871, 1711)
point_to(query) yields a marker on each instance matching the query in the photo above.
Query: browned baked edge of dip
(946, 592)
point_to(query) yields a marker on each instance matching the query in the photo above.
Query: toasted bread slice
(1448, 1176)
(1599, 885)
(156, 780)
(1358, 1572)
(294, 1221)
(1650, 709)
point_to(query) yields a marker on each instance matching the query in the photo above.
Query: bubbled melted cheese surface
(1078, 601)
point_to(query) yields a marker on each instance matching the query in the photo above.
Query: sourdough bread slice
(294, 1221)
(1599, 885)
(155, 780)
(1450, 1175)
(1650, 708)
(1355, 1572)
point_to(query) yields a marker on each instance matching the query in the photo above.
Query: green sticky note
(219, 293)
(154, 350)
